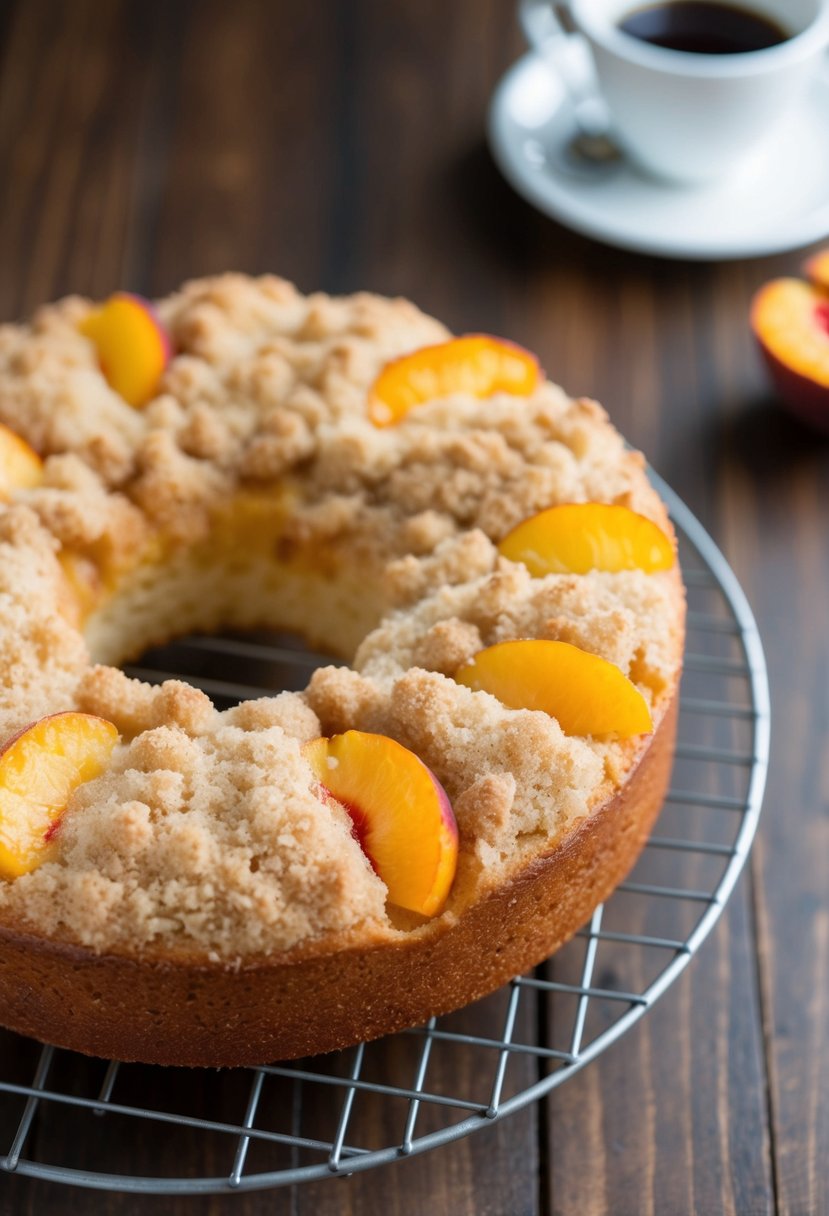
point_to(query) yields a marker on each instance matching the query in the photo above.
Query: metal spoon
(548, 30)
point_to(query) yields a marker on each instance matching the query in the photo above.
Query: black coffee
(703, 27)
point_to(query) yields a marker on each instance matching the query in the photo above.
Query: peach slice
(401, 814)
(475, 363)
(576, 537)
(133, 346)
(790, 320)
(20, 466)
(586, 694)
(40, 767)
(816, 269)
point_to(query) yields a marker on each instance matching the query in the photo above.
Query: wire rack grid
(73, 1120)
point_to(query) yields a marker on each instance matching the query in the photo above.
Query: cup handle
(539, 22)
(571, 60)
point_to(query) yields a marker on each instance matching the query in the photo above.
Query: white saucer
(779, 202)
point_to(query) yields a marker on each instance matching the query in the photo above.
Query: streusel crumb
(253, 490)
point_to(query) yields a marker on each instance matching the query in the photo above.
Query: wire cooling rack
(134, 1128)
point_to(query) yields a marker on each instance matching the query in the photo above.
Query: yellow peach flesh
(475, 364)
(576, 537)
(39, 770)
(791, 321)
(401, 814)
(20, 466)
(586, 694)
(133, 346)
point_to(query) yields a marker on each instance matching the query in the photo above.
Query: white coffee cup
(681, 115)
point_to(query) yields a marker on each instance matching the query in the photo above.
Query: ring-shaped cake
(243, 456)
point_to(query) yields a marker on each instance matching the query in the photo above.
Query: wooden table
(340, 144)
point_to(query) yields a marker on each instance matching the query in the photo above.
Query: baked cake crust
(202, 904)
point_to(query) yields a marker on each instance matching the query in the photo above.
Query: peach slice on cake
(133, 346)
(20, 466)
(576, 537)
(476, 364)
(40, 767)
(400, 812)
(585, 693)
(790, 319)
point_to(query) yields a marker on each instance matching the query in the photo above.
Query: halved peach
(133, 346)
(816, 269)
(585, 693)
(576, 537)
(790, 320)
(40, 767)
(476, 364)
(401, 814)
(20, 466)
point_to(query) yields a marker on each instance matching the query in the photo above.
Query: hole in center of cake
(329, 597)
(233, 666)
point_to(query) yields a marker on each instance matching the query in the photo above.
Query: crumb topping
(255, 482)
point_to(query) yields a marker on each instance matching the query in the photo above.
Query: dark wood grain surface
(340, 144)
